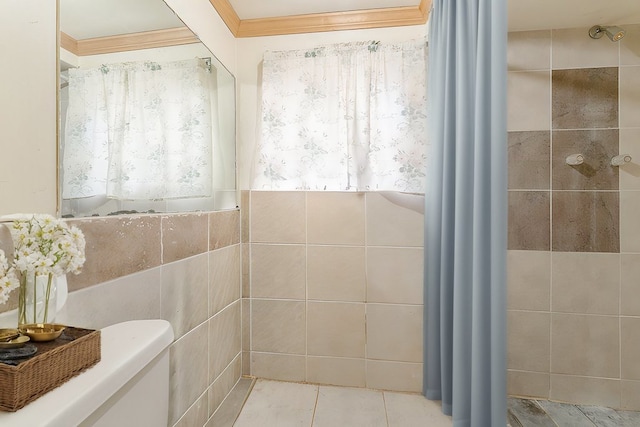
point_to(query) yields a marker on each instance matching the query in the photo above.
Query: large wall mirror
(147, 113)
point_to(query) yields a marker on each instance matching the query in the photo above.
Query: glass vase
(37, 299)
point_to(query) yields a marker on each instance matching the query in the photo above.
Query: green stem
(22, 302)
(46, 301)
(35, 297)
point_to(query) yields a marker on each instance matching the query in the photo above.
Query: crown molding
(126, 42)
(297, 24)
(321, 22)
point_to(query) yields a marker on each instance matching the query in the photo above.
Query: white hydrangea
(8, 279)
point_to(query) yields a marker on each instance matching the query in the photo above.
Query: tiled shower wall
(574, 231)
(184, 268)
(332, 289)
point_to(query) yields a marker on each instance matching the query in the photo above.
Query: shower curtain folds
(466, 212)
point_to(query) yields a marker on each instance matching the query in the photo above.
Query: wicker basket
(54, 363)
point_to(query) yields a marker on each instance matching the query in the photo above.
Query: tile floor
(282, 404)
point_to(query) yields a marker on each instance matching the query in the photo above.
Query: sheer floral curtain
(139, 130)
(344, 117)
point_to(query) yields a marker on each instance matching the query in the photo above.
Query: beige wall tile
(335, 218)
(395, 275)
(184, 285)
(336, 273)
(630, 96)
(630, 46)
(529, 50)
(586, 391)
(395, 376)
(630, 395)
(133, 297)
(335, 329)
(529, 100)
(529, 280)
(278, 271)
(630, 348)
(573, 48)
(585, 282)
(278, 216)
(225, 339)
(528, 341)
(391, 225)
(224, 229)
(585, 345)
(629, 284)
(394, 332)
(245, 210)
(188, 361)
(246, 363)
(184, 236)
(336, 371)
(224, 277)
(283, 367)
(246, 324)
(116, 247)
(246, 269)
(278, 326)
(630, 172)
(224, 384)
(629, 224)
(528, 384)
(196, 415)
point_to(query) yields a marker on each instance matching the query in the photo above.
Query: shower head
(614, 33)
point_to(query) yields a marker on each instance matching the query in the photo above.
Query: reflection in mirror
(147, 113)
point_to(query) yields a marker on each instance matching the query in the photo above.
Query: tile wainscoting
(332, 289)
(184, 268)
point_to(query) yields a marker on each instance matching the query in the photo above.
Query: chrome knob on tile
(575, 159)
(620, 159)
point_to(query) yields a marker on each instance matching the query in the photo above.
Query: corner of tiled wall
(573, 230)
(336, 289)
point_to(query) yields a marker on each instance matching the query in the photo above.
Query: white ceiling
(94, 18)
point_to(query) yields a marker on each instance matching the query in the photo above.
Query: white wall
(28, 82)
(204, 21)
(247, 77)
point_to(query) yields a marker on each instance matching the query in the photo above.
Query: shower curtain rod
(207, 63)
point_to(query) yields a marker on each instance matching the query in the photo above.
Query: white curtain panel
(139, 131)
(344, 117)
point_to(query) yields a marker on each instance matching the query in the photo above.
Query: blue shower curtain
(466, 212)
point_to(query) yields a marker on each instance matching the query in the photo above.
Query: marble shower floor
(545, 413)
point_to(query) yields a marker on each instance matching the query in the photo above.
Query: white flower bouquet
(45, 247)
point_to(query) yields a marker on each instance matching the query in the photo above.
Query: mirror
(131, 146)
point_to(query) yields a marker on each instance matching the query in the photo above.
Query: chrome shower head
(614, 33)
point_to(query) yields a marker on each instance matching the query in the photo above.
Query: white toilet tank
(128, 387)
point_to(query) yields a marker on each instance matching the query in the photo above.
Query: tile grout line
(315, 406)
(384, 405)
